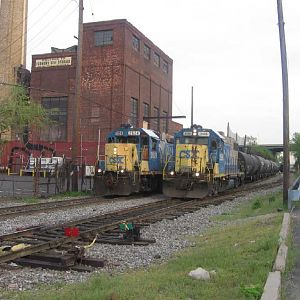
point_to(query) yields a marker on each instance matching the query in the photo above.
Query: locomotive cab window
(154, 142)
(127, 140)
(214, 145)
(195, 140)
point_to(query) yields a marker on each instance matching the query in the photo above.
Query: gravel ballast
(170, 235)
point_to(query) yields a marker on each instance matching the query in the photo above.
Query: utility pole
(192, 108)
(285, 89)
(77, 96)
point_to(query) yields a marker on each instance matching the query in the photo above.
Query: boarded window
(146, 111)
(134, 112)
(135, 43)
(103, 37)
(146, 52)
(156, 59)
(58, 114)
(156, 120)
(165, 67)
(164, 122)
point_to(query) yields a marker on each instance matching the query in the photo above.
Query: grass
(34, 200)
(241, 252)
(71, 194)
(261, 205)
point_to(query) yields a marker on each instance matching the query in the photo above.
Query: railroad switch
(130, 232)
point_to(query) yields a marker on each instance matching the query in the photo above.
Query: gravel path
(170, 235)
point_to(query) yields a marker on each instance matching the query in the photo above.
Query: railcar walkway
(292, 285)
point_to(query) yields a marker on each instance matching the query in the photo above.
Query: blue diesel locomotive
(205, 163)
(134, 162)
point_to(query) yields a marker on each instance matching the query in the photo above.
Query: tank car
(256, 167)
(205, 162)
(134, 162)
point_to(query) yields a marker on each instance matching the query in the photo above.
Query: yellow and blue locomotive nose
(191, 158)
(120, 156)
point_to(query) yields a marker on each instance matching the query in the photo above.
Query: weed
(272, 199)
(256, 204)
(252, 291)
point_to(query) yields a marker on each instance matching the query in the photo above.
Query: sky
(227, 50)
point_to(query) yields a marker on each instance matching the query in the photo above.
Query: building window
(146, 52)
(103, 37)
(156, 120)
(58, 114)
(135, 43)
(165, 67)
(156, 59)
(134, 112)
(146, 111)
(164, 122)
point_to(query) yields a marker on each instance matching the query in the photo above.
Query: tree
(295, 147)
(262, 151)
(18, 111)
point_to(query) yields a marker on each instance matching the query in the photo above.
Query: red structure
(125, 79)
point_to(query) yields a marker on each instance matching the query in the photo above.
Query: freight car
(206, 162)
(256, 167)
(134, 162)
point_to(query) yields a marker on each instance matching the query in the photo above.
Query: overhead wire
(72, 93)
(92, 11)
(28, 29)
(46, 36)
(20, 23)
(8, 46)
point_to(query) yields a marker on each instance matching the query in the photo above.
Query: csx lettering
(188, 153)
(116, 160)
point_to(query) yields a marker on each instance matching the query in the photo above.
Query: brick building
(125, 79)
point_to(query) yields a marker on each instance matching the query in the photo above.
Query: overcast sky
(228, 50)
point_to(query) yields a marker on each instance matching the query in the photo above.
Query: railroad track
(30, 209)
(38, 241)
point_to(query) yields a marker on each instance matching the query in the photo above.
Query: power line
(20, 23)
(46, 36)
(17, 39)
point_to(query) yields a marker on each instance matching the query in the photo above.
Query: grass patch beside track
(61, 196)
(241, 251)
(260, 205)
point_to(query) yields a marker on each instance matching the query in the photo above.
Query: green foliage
(272, 199)
(262, 151)
(256, 204)
(18, 111)
(295, 146)
(267, 204)
(252, 291)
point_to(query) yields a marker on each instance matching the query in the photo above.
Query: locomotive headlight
(197, 174)
(122, 171)
(194, 131)
(115, 150)
(99, 171)
(172, 173)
